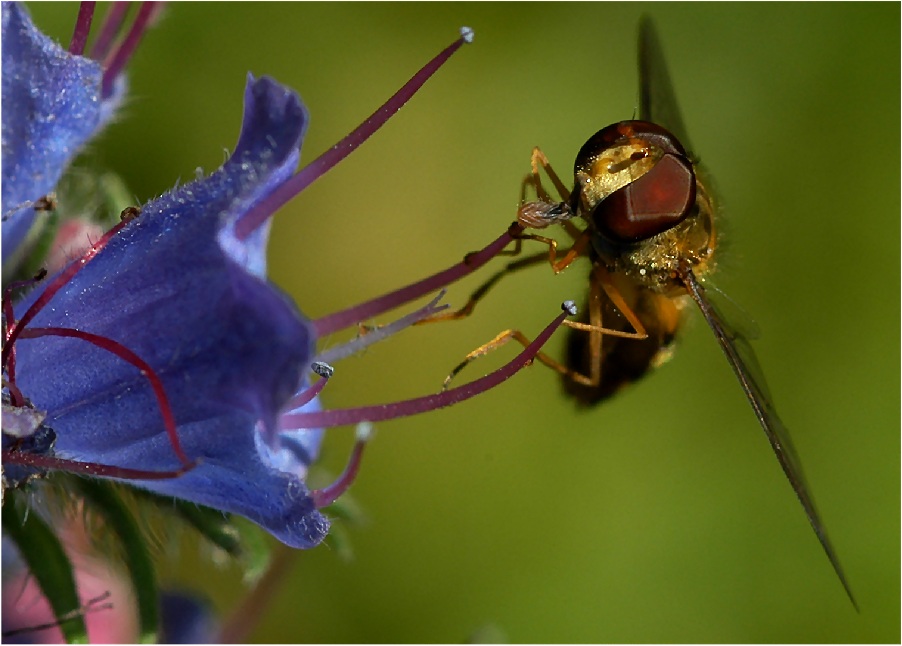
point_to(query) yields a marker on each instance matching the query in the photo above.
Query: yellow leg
(484, 289)
(500, 340)
(600, 285)
(544, 211)
(558, 265)
(539, 159)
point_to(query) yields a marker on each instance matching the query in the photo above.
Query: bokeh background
(661, 515)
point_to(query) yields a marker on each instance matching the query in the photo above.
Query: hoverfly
(649, 232)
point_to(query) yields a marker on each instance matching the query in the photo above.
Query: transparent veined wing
(745, 364)
(657, 101)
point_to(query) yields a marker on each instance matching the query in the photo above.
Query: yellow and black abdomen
(623, 360)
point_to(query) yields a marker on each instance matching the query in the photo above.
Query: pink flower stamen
(112, 25)
(327, 495)
(381, 412)
(325, 371)
(17, 399)
(90, 468)
(114, 63)
(14, 328)
(253, 219)
(82, 28)
(352, 315)
(369, 336)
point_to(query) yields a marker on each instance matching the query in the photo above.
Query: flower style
(163, 355)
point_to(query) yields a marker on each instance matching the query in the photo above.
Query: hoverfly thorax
(637, 189)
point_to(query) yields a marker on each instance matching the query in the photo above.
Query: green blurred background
(661, 515)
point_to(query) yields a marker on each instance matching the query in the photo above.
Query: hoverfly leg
(601, 278)
(536, 214)
(557, 265)
(595, 337)
(600, 284)
(582, 240)
(532, 214)
(486, 287)
(538, 158)
(544, 211)
(516, 234)
(502, 339)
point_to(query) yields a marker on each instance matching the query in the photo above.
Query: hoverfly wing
(745, 364)
(657, 101)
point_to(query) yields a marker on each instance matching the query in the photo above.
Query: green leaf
(345, 513)
(105, 500)
(47, 561)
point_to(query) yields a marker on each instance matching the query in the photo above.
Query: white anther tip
(569, 307)
(467, 34)
(364, 432)
(322, 368)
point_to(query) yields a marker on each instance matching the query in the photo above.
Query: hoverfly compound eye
(641, 181)
(654, 203)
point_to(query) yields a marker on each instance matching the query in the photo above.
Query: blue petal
(51, 107)
(179, 290)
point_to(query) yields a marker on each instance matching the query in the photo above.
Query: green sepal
(339, 541)
(256, 548)
(41, 238)
(346, 509)
(25, 261)
(105, 500)
(115, 196)
(344, 513)
(48, 563)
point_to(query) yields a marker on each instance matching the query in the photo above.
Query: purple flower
(178, 290)
(229, 348)
(163, 355)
